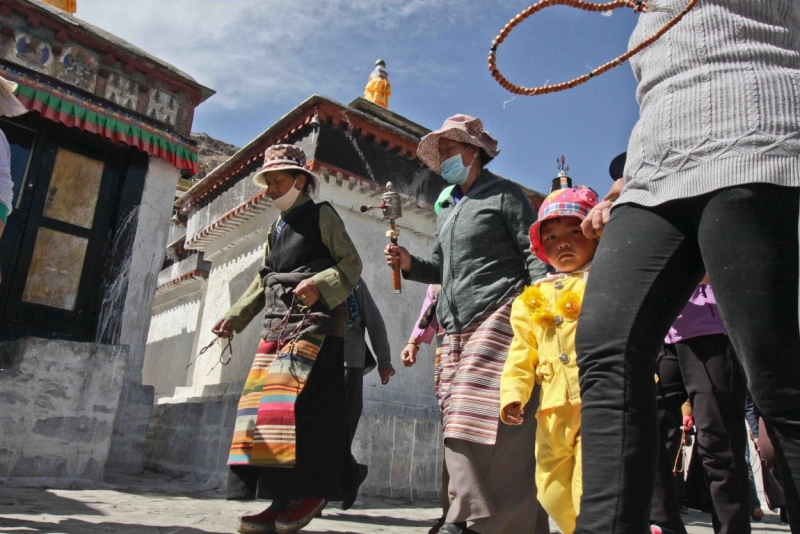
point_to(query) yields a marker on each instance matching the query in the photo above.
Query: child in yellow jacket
(544, 318)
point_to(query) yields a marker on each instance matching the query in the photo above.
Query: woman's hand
(307, 292)
(409, 354)
(513, 413)
(597, 219)
(397, 256)
(223, 328)
(386, 374)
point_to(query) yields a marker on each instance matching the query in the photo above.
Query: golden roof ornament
(378, 88)
(70, 6)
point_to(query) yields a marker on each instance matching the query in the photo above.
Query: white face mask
(286, 201)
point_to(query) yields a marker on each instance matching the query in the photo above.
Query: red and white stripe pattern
(469, 377)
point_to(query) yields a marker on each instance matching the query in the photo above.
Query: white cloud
(257, 52)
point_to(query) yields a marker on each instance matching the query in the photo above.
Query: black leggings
(648, 263)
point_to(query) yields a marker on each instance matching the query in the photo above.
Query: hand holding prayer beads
(640, 6)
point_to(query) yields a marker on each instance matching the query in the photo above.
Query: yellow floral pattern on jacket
(544, 319)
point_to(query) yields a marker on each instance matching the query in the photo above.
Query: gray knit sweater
(719, 99)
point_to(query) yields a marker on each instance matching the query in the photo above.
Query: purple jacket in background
(700, 317)
(426, 335)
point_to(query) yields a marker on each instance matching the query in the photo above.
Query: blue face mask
(453, 170)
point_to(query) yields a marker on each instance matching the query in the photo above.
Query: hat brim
(428, 149)
(260, 178)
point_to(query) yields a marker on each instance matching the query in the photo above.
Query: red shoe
(263, 522)
(655, 529)
(298, 514)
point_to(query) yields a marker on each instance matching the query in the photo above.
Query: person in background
(425, 330)
(756, 513)
(10, 106)
(716, 387)
(674, 420)
(771, 478)
(364, 317)
(481, 257)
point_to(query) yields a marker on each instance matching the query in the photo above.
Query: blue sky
(263, 57)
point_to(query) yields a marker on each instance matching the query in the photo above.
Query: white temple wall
(171, 341)
(147, 256)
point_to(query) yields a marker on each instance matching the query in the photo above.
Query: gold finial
(70, 6)
(378, 88)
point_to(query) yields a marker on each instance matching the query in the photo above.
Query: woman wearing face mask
(290, 440)
(482, 259)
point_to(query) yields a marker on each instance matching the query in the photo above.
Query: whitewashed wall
(172, 338)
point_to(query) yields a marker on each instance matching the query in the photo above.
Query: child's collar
(552, 277)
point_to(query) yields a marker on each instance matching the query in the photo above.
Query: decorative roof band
(72, 109)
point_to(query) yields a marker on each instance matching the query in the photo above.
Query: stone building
(356, 149)
(95, 164)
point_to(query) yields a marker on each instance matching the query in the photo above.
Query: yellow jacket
(544, 318)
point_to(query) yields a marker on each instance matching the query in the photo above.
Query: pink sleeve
(425, 335)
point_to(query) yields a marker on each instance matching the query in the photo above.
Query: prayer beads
(640, 6)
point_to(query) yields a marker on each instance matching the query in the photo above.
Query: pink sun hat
(572, 202)
(461, 128)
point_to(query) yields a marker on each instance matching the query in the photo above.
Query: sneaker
(757, 514)
(261, 523)
(298, 514)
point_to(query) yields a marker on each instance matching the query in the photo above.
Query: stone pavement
(160, 505)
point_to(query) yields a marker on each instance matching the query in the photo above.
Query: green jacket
(334, 284)
(482, 258)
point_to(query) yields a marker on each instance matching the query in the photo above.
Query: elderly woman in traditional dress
(482, 259)
(290, 441)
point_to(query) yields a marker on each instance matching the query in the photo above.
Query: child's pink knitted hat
(573, 202)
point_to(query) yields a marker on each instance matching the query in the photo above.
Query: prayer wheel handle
(392, 209)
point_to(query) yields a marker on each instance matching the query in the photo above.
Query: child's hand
(688, 422)
(513, 413)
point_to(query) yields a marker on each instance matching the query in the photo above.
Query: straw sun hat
(9, 105)
(461, 128)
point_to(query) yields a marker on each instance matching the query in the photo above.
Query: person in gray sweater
(712, 183)
(482, 259)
